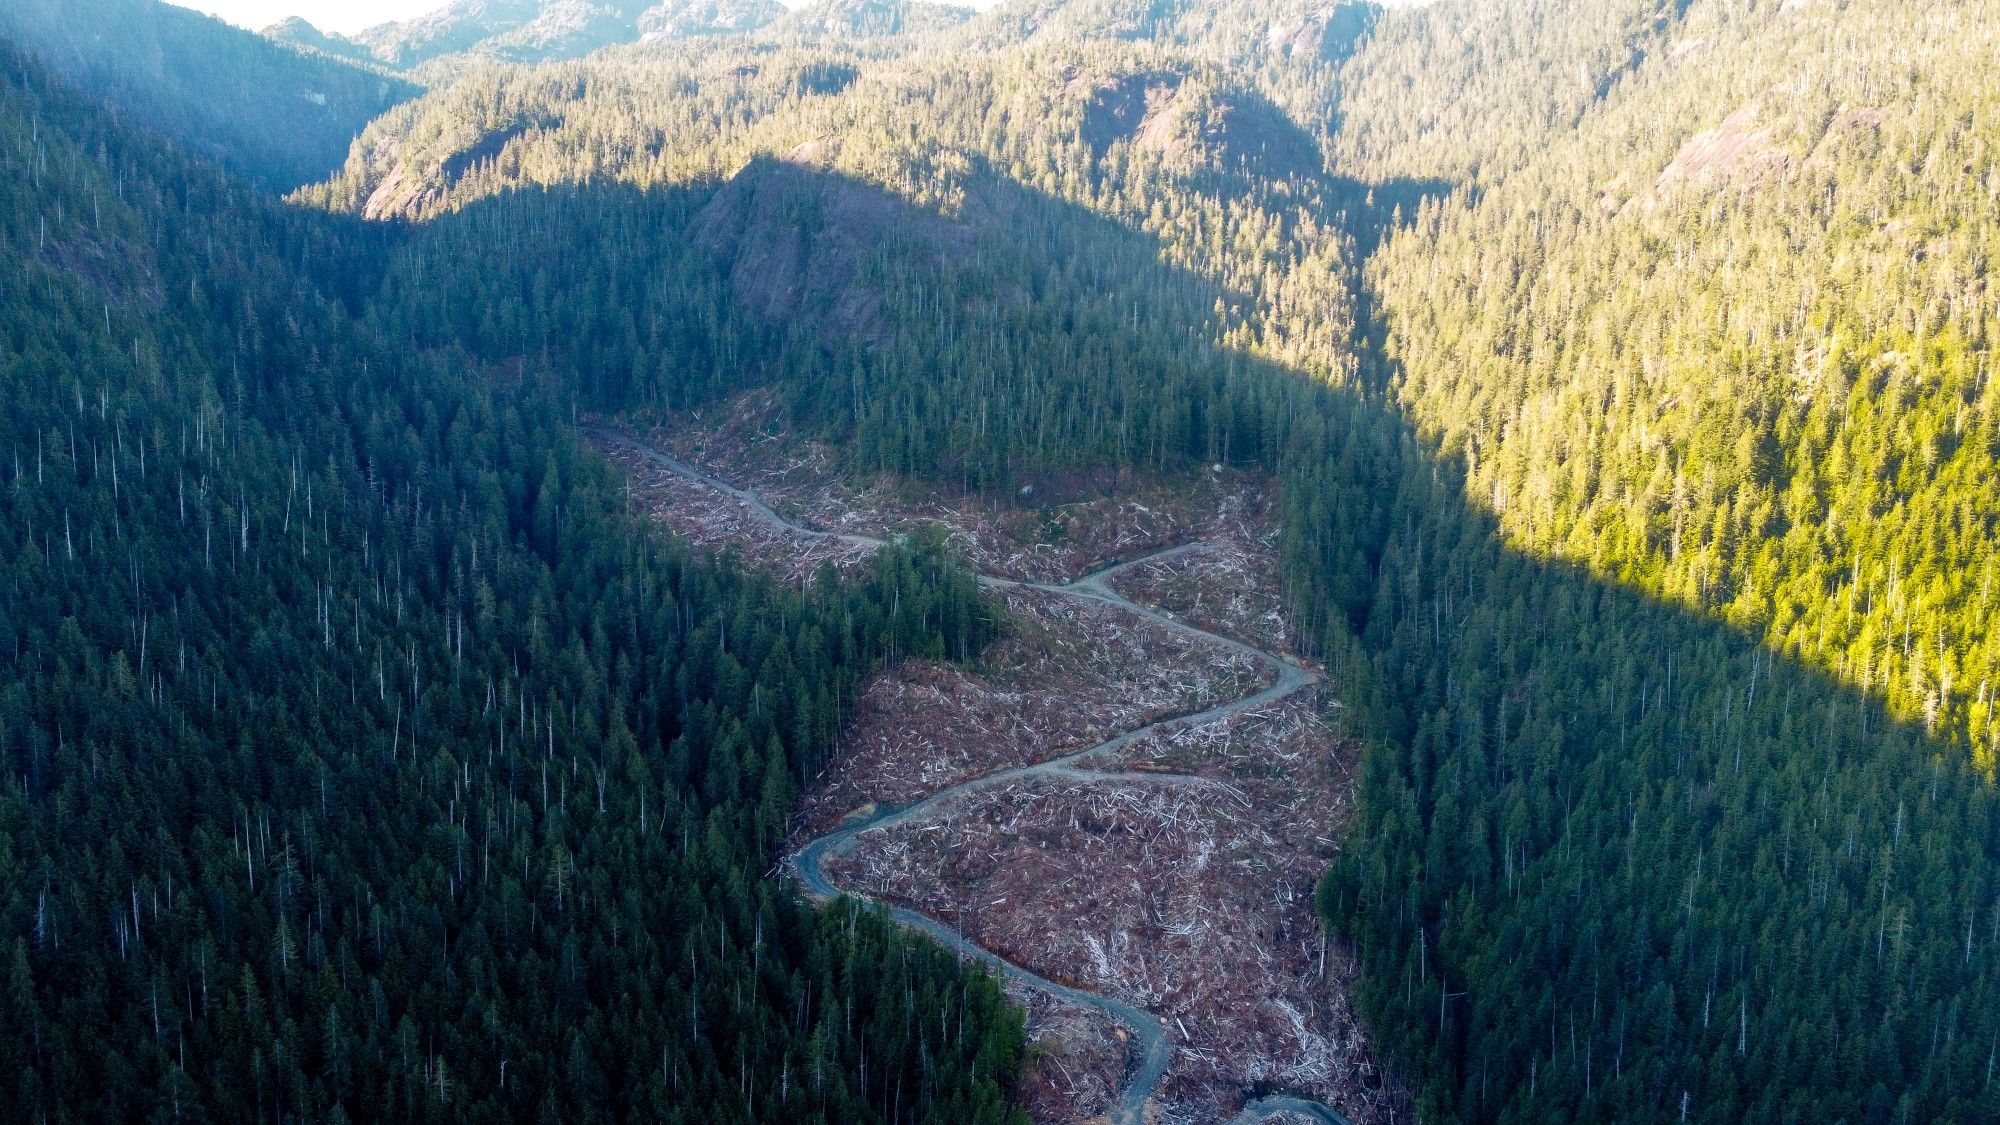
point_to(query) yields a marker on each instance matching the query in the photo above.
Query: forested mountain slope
(1239, 32)
(266, 110)
(1145, 138)
(1453, 90)
(836, 20)
(363, 758)
(1743, 359)
(1625, 370)
(1717, 332)
(521, 30)
(467, 32)
(1552, 506)
(296, 32)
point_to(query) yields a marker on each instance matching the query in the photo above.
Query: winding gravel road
(1150, 1037)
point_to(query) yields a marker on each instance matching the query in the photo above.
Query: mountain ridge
(1619, 376)
(266, 110)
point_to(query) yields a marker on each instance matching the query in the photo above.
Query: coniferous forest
(365, 759)
(1624, 371)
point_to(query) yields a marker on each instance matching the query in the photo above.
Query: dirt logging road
(1151, 1046)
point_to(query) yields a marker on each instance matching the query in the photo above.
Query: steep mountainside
(1624, 371)
(365, 759)
(441, 43)
(1760, 316)
(264, 109)
(1232, 30)
(296, 32)
(687, 19)
(1709, 317)
(534, 30)
(838, 20)
(1450, 90)
(524, 30)
(1600, 420)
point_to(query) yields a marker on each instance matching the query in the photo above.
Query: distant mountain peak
(868, 19)
(538, 30)
(280, 107)
(522, 30)
(690, 19)
(294, 31)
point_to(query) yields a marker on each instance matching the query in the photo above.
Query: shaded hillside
(1578, 593)
(1526, 712)
(945, 215)
(1713, 323)
(1638, 486)
(1743, 361)
(264, 109)
(1136, 135)
(365, 759)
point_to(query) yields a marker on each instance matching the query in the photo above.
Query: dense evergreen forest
(363, 758)
(1723, 345)
(1630, 825)
(1625, 369)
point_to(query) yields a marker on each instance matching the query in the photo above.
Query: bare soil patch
(1076, 1060)
(1175, 874)
(1067, 674)
(1227, 586)
(1190, 898)
(1063, 528)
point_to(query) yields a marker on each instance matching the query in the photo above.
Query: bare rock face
(1737, 150)
(416, 185)
(1331, 33)
(1125, 107)
(401, 192)
(795, 238)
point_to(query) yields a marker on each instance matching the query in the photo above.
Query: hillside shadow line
(1563, 771)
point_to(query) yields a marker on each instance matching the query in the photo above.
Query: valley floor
(1172, 869)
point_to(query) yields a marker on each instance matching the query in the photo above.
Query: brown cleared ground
(1229, 585)
(1066, 675)
(1176, 874)
(1063, 528)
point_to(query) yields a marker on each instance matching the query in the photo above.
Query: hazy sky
(351, 15)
